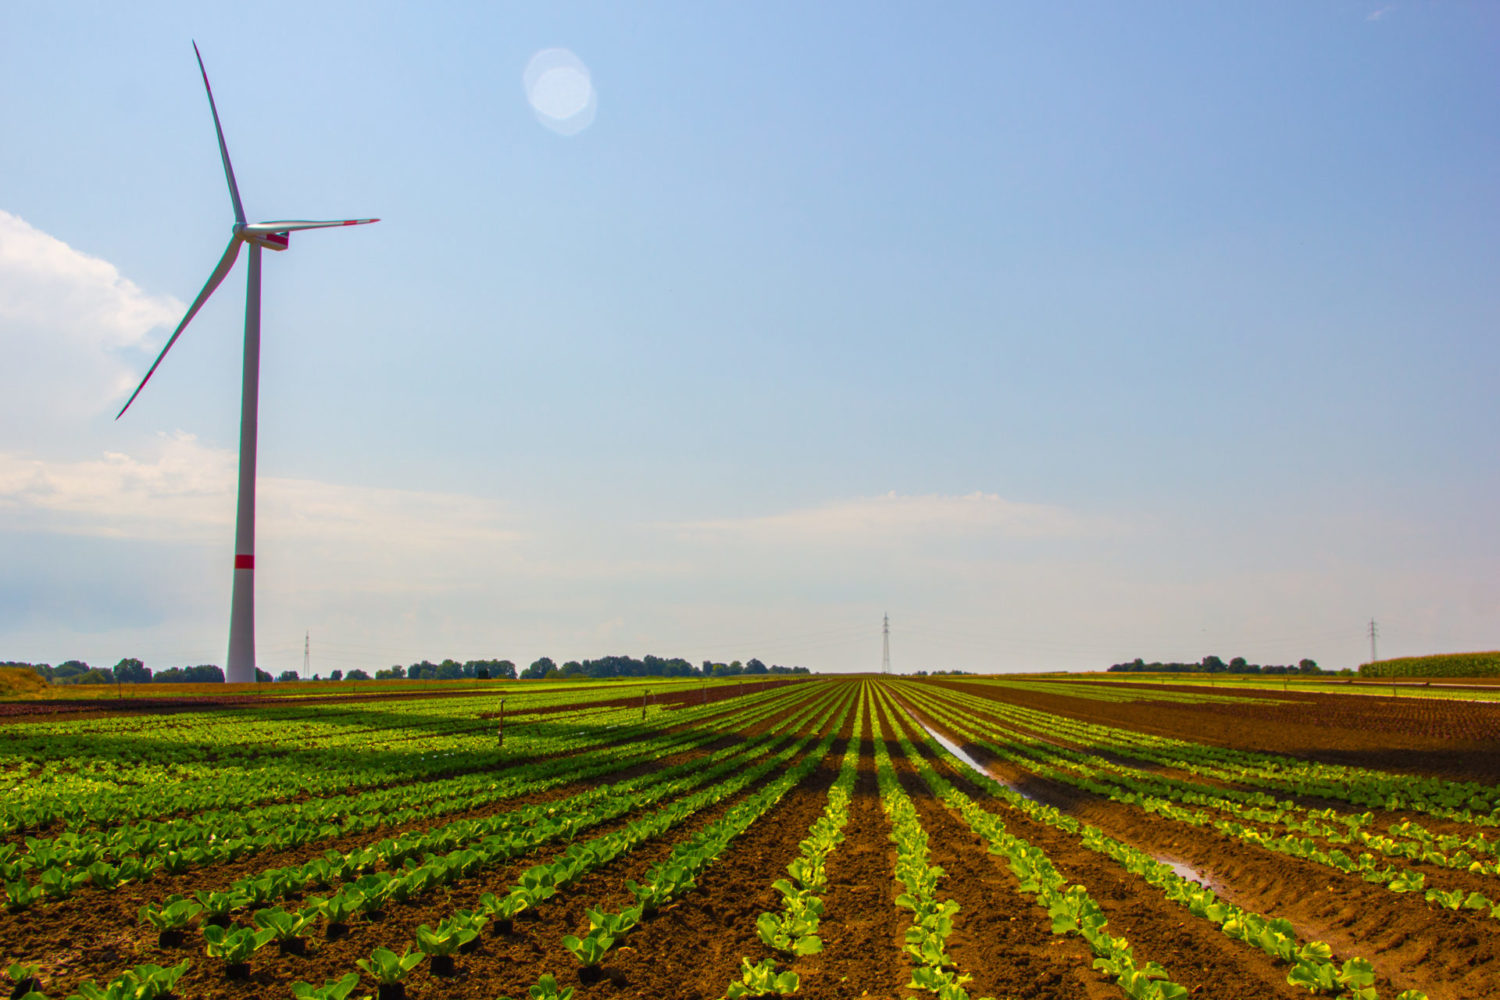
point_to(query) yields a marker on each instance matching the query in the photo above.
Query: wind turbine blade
(292, 225)
(225, 263)
(234, 189)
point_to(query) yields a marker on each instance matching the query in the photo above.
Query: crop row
(1311, 964)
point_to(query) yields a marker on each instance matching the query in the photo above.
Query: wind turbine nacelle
(271, 241)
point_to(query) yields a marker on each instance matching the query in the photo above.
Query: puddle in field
(1184, 871)
(973, 764)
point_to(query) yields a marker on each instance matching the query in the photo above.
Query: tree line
(133, 671)
(1214, 665)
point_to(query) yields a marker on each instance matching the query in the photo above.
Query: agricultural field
(826, 838)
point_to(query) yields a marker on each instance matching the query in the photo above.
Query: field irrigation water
(826, 838)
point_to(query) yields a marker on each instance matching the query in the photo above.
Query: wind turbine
(273, 235)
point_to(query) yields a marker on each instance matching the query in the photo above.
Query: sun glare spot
(560, 91)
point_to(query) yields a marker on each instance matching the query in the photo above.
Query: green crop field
(955, 838)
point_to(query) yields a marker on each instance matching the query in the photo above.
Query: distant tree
(754, 666)
(356, 675)
(69, 668)
(1309, 666)
(262, 676)
(503, 669)
(206, 673)
(482, 673)
(94, 675)
(131, 671)
(541, 668)
(1214, 665)
(289, 675)
(337, 675)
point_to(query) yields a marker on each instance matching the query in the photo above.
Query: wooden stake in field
(502, 722)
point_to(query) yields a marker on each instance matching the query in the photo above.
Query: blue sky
(1064, 333)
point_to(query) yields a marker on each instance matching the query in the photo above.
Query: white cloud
(185, 492)
(895, 518)
(65, 318)
(1376, 15)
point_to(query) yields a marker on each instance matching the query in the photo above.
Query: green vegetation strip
(1312, 964)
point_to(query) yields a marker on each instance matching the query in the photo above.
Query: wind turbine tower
(885, 637)
(275, 235)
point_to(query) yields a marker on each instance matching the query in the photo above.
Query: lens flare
(561, 91)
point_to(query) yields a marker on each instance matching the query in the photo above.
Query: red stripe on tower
(244, 562)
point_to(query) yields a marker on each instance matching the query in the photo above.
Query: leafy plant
(333, 989)
(546, 988)
(762, 980)
(387, 967)
(144, 982)
(19, 895)
(591, 948)
(234, 946)
(286, 928)
(452, 934)
(23, 979)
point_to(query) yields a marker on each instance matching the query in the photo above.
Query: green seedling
(218, 905)
(23, 979)
(590, 951)
(144, 982)
(389, 969)
(333, 989)
(762, 980)
(171, 919)
(546, 988)
(234, 946)
(286, 928)
(19, 895)
(452, 934)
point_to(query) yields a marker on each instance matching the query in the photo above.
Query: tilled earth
(692, 949)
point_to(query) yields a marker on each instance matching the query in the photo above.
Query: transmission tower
(885, 655)
(1373, 633)
(306, 655)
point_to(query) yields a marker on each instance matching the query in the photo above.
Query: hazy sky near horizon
(1063, 332)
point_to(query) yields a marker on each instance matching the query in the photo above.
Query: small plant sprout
(23, 979)
(234, 947)
(171, 919)
(761, 980)
(590, 951)
(452, 934)
(286, 928)
(333, 989)
(144, 982)
(389, 969)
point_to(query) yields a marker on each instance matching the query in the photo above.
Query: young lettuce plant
(389, 969)
(234, 947)
(450, 936)
(762, 980)
(286, 929)
(333, 989)
(19, 895)
(171, 919)
(546, 988)
(590, 951)
(144, 982)
(24, 980)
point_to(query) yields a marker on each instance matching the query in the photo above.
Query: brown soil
(692, 949)
(1456, 740)
(1452, 955)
